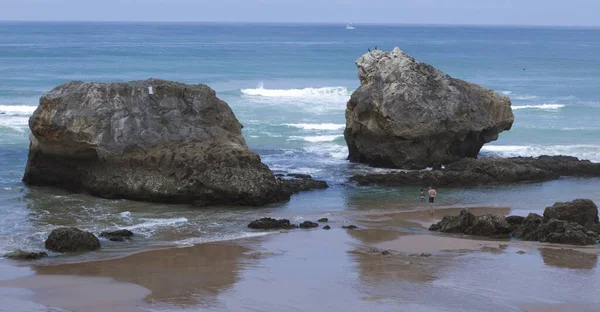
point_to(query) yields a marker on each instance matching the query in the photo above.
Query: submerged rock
(323, 220)
(407, 114)
(465, 172)
(150, 140)
(562, 165)
(327, 227)
(483, 171)
(25, 255)
(308, 224)
(349, 227)
(295, 183)
(270, 224)
(117, 236)
(71, 239)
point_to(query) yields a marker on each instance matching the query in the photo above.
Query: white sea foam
(17, 123)
(327, 92)
(323, 126)
(17, 110)
(316, 139)
(541, 106)
(519, 96)
(335, 151)
(151, 224)
(582, 151)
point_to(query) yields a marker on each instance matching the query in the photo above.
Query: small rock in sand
(425, 255)
(386, 253)
(327, 227)
(350, 227)
(323, 220)
(521, 252)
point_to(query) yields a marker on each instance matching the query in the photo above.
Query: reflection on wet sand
(179, 276)
(569, 258)
(374, 236)
(376, 268)
(423, 218)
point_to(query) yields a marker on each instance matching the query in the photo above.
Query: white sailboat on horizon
(350, 26)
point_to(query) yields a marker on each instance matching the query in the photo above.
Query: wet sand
(336, 270)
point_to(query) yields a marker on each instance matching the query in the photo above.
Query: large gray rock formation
(407, 114)
(172, 143)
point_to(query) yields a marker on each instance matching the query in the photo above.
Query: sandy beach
(388, 264)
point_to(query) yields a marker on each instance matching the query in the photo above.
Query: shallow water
(317, 270)
(288, 85)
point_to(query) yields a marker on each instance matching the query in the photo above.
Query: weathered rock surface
(561, 224)
(25, 255)
(295, 183)
(468, 223)
(407, 114)
(514, 222)
(308, 224)
(485, 171)
(271, 224)
(581, 211)
(178, 143)
(71, 239)
(117, 236)
(454, 224)
(489, 225)
(562, 165)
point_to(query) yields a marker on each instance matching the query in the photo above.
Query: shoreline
(206, 274)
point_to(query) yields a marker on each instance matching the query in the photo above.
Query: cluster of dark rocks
(70, 239)
(574, 223)
(285, 224)
(486, 171)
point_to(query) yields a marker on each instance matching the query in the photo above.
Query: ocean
(288, 84)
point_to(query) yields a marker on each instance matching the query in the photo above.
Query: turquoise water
(288, 85)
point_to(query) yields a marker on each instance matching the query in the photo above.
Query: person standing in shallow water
(432, 194)
(422, 193)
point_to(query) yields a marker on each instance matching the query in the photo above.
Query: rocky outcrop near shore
(574, 223)
(71, 239)
(410, 115)
(150, 140)
(485, 171)
(296, 183)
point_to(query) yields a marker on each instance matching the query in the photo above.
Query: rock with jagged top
(408, 114)
(152, 140)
